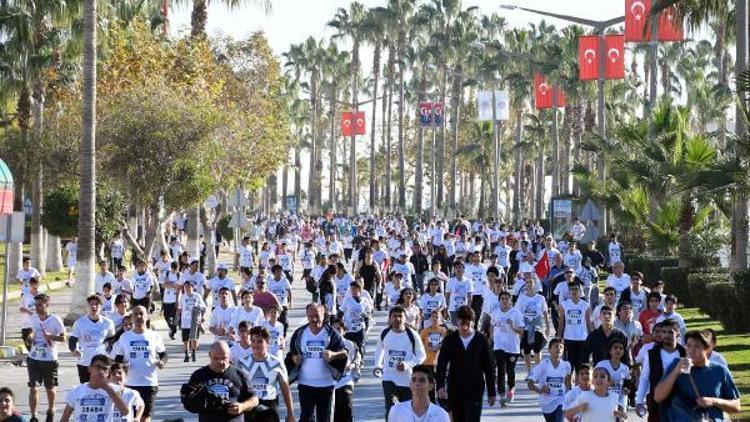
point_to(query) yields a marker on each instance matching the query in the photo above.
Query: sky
(292, 21)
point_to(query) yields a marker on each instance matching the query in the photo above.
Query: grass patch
(13, 286)
(734, 347)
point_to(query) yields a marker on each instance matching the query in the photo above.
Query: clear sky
(292, 21)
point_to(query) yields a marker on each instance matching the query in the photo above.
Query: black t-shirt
(232, 385)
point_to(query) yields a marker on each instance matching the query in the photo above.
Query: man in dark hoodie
(465, 360)
(316, 359)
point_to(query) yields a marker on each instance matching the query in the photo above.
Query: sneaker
(33, 419)
(187, 358)
(503, 402)
(171, 335)
(510, 396)
(50, 416)
(193, 356)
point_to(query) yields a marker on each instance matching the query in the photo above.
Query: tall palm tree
(335, 67)
(295, 58)
(85, 266)
(373, 31)
(351, 24)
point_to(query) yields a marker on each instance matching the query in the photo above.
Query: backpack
(409, 333)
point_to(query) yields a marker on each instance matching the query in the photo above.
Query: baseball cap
(193, 261)
(222, 266)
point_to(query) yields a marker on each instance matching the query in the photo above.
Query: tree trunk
(375, 80)
(388, 148)
(564, 174)
(441, 145)
(312, 185)
(198, 18)
(208, 230)
(193, 220)
(332, 149)
(419, 171)
(38, 254)
(401, 106)
(517, 188)
(539, 182)
(353, 189)
(456, 100)
(740, 213)
(54, 254)
(555, 152)
(578, 134)
(298, 172)
(285, 180)
(85, 266)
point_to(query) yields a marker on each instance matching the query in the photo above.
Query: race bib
(314, 349)
(574, 317)
(394, 357)
(40, 351)
(435, 340)
(92, 409)
(259, 383)
(139, 349)
(556, 386)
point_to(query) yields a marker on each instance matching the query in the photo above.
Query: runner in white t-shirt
(96, 399)
(419, 408)
(117, 375)
(89, 335)
(551, 379)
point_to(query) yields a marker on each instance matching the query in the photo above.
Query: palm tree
(350, 23)
(85, 266)
(373, 29)
(199, 15)
(335, 69)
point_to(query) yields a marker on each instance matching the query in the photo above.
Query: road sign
(238, 220)
(17, 225)
(238, 199)
(211, 202)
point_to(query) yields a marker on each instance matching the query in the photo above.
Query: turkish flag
(359, 123)
(542, 267)
(588, 57)
(560, 99)
(670, 26)
(615, 63)
(347, 125)
(542, 92)
(636, 17)
(425, 113)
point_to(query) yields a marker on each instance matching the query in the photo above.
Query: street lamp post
(599, 28)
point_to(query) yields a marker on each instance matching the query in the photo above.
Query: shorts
(148, 395)
(539, 342)
(42, 373)
(186, 334)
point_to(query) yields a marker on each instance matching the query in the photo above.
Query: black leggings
(575, 352)
(170, 315)
(506, 364)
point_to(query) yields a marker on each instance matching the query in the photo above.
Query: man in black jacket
(316, 359)
(465, 360)
(597, 342)
(421, 265)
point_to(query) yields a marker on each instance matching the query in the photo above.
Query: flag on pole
(615, 63)
(437, 117)
(425, 114)
(588, 57)
(636, 17)
(359, 123)
(542, 267)
(670, 26)
(347, 126)
(542, 92)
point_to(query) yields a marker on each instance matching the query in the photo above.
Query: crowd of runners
(465, 301)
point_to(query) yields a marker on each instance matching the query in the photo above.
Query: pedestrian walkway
(368, 394)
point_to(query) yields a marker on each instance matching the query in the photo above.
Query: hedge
(650, 266)
(675, 282)
(722, 297)
(701, 286)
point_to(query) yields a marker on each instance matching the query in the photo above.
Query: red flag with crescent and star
(542, 92)
(359, 123)
(588, 57)
(636, 17)
(615, 47)
(347, 124)
(670, 26)
(542, 267)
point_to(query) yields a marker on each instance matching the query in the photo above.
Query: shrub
(727, 306)
(701, 285)
(675, 282)
(226, 232)
(650, 266)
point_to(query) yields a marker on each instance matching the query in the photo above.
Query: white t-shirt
(313, 370)
(124, 285)
(91, 335)
(246, 256)
(170, 292)
(134, 401)
(25, 276)
(90, 404)
(617, 377)
(222, 318)
(264, 376)
(458, 290)
(141, 352)
(162, 267)
(342, 286)
(573, 259)
(276, 344)
(533, 308)
(72, 249)
(619, 283)
(503, 337)
(101, 279)
(392, 292)
(503, 255)
(187, 303)
(575, 319)
(40, 349)
(403, 412)
(308, 259)
(554, 377)
(285, 260)
(394, 348)
(478, 275)
(615, 253)
(253, 316)
(142, 284)
(281, 289)
(237, 352)
(27, 303)
(118, 249)
(601, 409)
(216, 284)
(198, 279)
(428, 304)
(354, 313)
